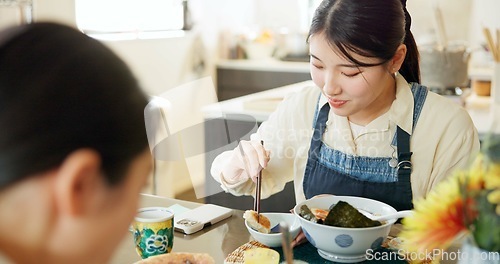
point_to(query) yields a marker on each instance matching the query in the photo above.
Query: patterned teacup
(153, 231)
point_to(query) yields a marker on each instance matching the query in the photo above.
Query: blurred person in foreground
(73, 147)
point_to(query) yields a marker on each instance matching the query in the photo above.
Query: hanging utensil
(439, 23)
(441, 32)
(491, 44)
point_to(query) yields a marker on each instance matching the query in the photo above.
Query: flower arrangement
(468, 202)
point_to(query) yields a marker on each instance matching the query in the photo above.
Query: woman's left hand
(300, 239)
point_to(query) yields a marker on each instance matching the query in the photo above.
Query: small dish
(274, 239)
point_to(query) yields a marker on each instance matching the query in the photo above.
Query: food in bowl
(273, 239)
(258, 222)
(341, 214)
(344, 244)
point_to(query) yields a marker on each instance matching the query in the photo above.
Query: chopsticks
(493, 46)
(256, 204)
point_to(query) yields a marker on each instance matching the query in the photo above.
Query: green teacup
(153, 231)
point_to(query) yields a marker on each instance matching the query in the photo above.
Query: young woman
(73, 146)
(367, 129)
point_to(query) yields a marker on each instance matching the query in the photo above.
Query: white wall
(160, 64)
(484, 13)
(62, 11)
(455, 13)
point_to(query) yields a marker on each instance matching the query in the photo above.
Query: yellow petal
(492, 180)
(494, 197)
(437, 219)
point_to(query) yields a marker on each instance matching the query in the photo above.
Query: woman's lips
(336, 103)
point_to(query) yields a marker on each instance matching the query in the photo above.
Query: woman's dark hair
(370, 28)
(61, 91)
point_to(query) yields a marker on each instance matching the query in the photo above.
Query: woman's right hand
(246, 161)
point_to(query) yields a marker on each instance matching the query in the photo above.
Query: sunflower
(437, 219)
(467, 202)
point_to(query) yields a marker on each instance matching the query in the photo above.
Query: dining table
(220, 239)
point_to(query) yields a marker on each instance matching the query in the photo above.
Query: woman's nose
(331, 86)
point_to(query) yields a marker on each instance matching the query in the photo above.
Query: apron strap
(404, 153)
(319, 129)
(404, 167)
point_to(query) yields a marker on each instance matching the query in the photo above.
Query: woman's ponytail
(410, 69)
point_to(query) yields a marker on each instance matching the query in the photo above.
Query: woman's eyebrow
(340, 65)
(348, 65)
(314, 56)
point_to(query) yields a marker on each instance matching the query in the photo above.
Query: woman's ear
(397, 59)
(78, 180)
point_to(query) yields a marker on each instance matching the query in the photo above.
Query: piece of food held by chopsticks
(258, 222)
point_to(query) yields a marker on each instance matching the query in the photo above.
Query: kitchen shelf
(242, 77)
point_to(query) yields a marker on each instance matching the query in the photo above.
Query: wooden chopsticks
(256, 204)
(493, 46)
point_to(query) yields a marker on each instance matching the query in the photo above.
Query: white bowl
(274, 239)
(345, 245)
(259, 51)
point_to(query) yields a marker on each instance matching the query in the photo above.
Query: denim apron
(329, 171)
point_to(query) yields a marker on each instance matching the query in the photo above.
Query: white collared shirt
(443, 140)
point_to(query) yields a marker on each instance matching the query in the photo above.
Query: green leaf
(491, 147)
(486, 227)
(163, 232)
(142, 245)
(148, 232)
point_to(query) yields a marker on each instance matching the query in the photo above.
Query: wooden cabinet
(238, 78)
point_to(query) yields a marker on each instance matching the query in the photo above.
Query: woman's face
(118, 207)
(359, 93)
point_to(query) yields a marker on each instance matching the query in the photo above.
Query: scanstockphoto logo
(465, 256)
(184, 124)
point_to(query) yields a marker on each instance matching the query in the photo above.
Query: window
(135, 19)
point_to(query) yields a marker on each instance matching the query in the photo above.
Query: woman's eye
(317, 66)
(350, 74)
